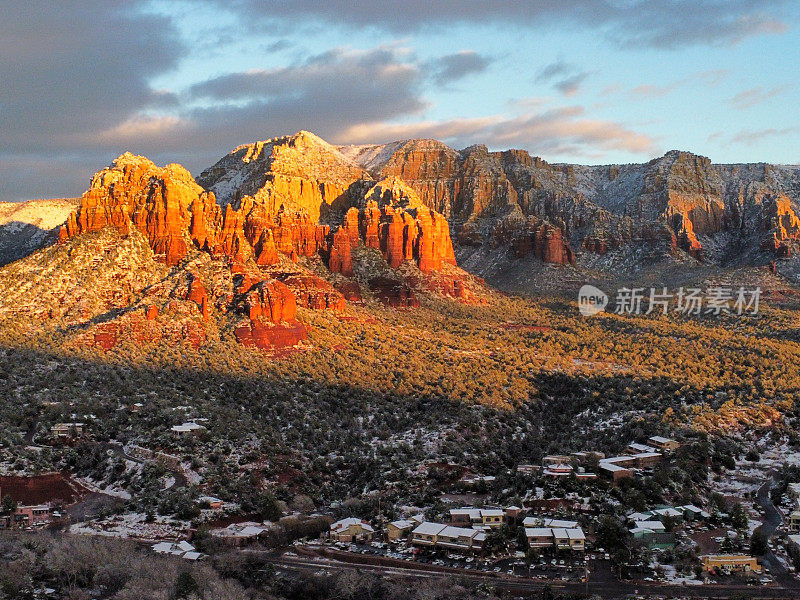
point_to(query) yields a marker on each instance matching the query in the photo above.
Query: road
(521, 586)
(772, 520)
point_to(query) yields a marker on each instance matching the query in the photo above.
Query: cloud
(557, 131)
(566, 77)
(753, 96)
(340, 85)
(73, 68)
(710, 78)
(633, 23)
(751, 137)
(453, 67)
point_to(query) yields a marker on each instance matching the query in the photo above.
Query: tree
(738, 516)
(185, 586)
(8, 506)
(758, 543)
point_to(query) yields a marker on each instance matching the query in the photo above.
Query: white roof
(660, 440)
(538, 532)
(455, 532)
(402, 524)
(252, 530)
(795, 539)
(192, 556)
(491, 512)
(162, 547)
(349, 522)
(472, 513)
(641, 447)
(654, 525)
(560, 523)
(186, 427)
(641, 530)
(531, 521)
(185, 546)
(428, 528)
(480, 536)
(576, 533)
(646, 454)
(640, 516)
(560, 533)
(607, 466)
(668, 512)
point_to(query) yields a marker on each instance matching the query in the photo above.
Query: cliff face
(596, 209)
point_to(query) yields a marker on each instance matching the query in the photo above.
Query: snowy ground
(134, 526)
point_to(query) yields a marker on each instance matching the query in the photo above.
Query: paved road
(520, 586)
(772, 520)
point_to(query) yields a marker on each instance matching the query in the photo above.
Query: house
(459, 538)
(730, 562)
(585, 455)
(654, 538)
(492, 517)
(512, 512)
(647, 459)
(29, 516)
(426, 533)
(794, 521)
(466, 515)
(213, 503)
(398, 529)
(528, 469)
(351, 529)
(664, 444)
(638, 449)
(669, 513)
(539, 537)
(693, 513)
(656, 526)
(64, 431)
(556, 459)
(558, 470)
(187, 428)
(614, 472)
(560, 538)
(174, 548)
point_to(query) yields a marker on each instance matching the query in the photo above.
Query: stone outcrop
(314, 292)
(270, 308)
(393, 292)
(166, 205)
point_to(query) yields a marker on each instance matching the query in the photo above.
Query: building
(669, 512)
(558, 538)
(29, 516)
(426, 534)
(397, 530)
(638, 449)
(528, 469)
(65, 431)
(614, 472)
(493, 517)
(558, 470)
(187, 428)
(654, 538)
(460, 538)
(664, 444)
(693, 513)
(465, 516)
(732, 563)
(556, 459)
(212, 502)
(794, 521)
(351, 529)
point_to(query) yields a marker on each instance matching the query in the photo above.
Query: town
(575, 518)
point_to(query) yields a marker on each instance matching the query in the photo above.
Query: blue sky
(583, 81)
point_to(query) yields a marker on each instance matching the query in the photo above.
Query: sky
(582, 81)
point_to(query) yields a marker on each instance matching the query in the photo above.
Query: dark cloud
(69, 71)
(653, 23)
(453, 67)
(566, 77)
